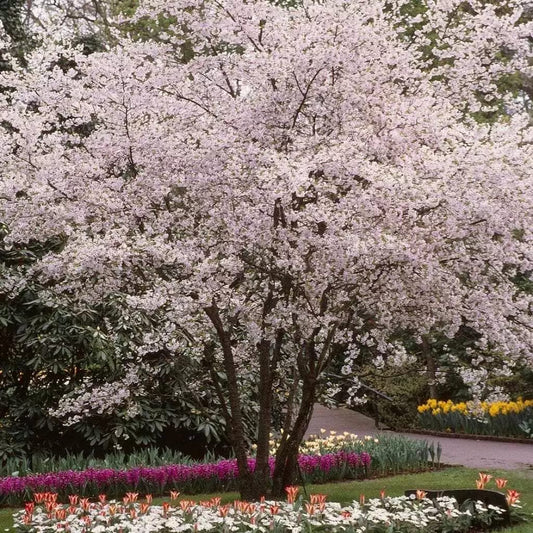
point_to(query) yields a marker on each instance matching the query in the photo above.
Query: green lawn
(394, 486)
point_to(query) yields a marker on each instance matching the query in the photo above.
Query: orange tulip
(318, 498)
(512, 497)
(85, 504)
(223, 511)
(50, 506)
(186, 505)
(484, 478)
(292, 493)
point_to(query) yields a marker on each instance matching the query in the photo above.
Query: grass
(346, 492)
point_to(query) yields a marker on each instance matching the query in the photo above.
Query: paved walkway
(466, 452)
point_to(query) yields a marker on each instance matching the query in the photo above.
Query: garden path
(467, 452)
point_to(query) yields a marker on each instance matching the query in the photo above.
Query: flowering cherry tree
(308, 182)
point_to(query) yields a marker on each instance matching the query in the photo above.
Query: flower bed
(377, 515)
(390, 454)
(202, 477)
(326, 458)
(506, 419)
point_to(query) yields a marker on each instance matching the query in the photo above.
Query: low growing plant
(193, 477)
(400, 514)
(39, 463)
(508, 419)
(390, 454)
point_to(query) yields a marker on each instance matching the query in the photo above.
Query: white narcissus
(304, 181)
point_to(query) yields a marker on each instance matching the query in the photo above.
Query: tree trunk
(431, 368)
(269, 356)
(310, 365)
(236, 433)
(286, 467)
(262, 467)
(293, 391)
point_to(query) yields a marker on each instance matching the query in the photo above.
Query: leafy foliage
(12, 14)
(52, 351)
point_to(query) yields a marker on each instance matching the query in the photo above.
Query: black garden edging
(488, 497)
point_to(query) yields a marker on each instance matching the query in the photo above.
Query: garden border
(451, 435)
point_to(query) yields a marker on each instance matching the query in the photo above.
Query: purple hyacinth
(167, 476)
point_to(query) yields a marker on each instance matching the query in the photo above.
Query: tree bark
(251, 484)
(286, 466)
(310, 365)
(262, 468)
(269, 355)
(431, 368)
(237, 437)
